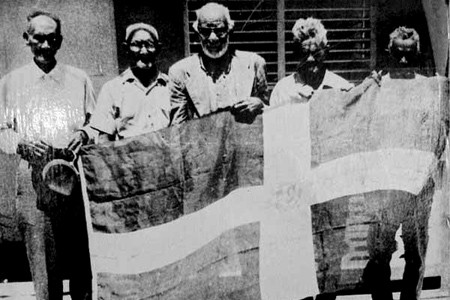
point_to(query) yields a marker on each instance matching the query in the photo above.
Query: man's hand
(32, 151)
(78, 139)
(247, 109)
(377, 76)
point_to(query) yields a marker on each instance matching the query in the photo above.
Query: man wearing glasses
(42, 104)
(137, 101)
(219, 78)
(310, 46)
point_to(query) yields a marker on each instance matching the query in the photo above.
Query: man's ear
(59, 41)
(125, 47)
(158, 48)
(26, 36)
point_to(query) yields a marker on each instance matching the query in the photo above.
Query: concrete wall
(87, 26)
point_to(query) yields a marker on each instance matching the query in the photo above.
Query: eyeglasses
(409, 54)
(317, 54)
(41, 38)
(218, 31)
(137, 46)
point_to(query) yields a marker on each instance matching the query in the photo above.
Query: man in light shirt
(311, 46)
(219, 78)
(42, 105)
(404, 61)
(137, 101)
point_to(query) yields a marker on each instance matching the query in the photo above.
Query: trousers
(55, 237)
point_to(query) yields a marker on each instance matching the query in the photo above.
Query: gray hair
(404, 33)
(213, 6)
(38, 13)
(310, 29)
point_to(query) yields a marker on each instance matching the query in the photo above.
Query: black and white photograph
(232, 150)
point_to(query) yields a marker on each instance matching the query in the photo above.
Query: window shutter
(264, 27)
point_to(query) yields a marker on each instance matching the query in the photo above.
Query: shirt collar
(232, 53)
(55, 74)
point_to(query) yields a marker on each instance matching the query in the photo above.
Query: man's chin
(214, 53)
(144, 66)
(44, 59)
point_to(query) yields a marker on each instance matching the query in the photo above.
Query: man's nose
(143, 50)
(311, 58)
(45, 44)
(213, 36)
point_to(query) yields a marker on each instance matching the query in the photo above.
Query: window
(264, 27)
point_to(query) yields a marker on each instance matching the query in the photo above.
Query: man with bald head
(219, 78)
(42, 104)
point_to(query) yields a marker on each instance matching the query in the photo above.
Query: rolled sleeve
(90, 100)
(9, 139)
(178, 97)
(103, 115)
(275, 98)
(260, 88)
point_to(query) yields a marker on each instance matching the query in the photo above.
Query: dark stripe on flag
(398, 115)
(154, 178)
(349, 230)
(225, 268)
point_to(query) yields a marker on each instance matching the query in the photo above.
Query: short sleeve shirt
(127, 108)
(292, 89)
(46, 106)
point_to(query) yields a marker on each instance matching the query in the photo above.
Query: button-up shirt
(292, 89)
(44, 106)
(195, 92)
(127, 108)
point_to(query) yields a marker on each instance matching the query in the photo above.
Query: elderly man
(42, 104)
(404, 50)
(310, 46)
(219, 78)
(137, 101)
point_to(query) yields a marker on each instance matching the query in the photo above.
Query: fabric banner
(283, 208)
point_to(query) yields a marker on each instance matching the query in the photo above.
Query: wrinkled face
(43, 39)
(311, 57)
(214, 35)
(142, 48)
(404, 51)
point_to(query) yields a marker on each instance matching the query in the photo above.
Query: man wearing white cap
(136, 101)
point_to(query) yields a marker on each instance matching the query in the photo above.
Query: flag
(216, 209)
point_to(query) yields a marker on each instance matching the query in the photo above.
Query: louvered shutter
(264, 27)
